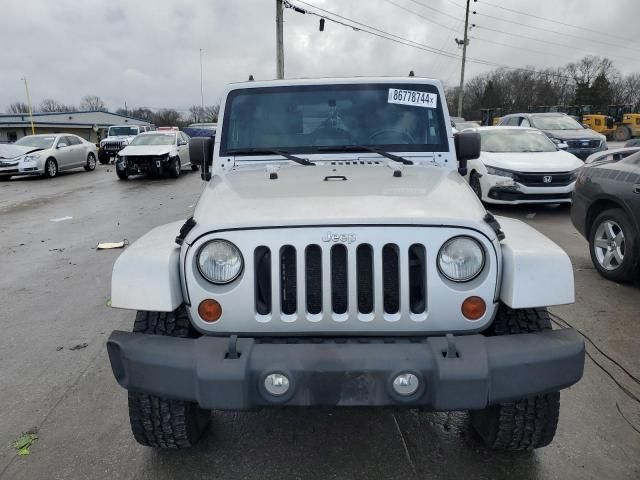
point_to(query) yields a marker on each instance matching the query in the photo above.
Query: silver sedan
(46, 155)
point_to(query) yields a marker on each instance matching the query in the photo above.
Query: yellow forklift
(626, 122)
(592, 118)
(491, 116)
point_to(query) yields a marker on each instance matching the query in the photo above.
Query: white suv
(338, 257)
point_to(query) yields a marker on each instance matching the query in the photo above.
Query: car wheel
(103, 159)
(5, 178)
(121, 172)
(50, 168)
(158, 421)
(614, 244)
(474, 182)
(90, 166)
(194, 167)
(525, 423)
(622, 134)
(174, 167)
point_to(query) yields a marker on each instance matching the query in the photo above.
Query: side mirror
(585, 126)
(467, 148)
(201, 153)
(562, 146)
(61, 145)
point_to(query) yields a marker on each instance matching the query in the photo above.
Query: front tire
(103, 159)
(158, 421)
(194, 167)
(522, 424)
(50, 168)
(622, 134)
(614, 246)
(122, 172)
(174, 167)
(90, 166)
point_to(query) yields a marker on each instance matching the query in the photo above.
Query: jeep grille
(339, 276)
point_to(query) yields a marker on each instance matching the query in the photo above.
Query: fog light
(276, 384)
(473, 308)
(209, 310)
(406, 384)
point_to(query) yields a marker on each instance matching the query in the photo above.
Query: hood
(423, 195)
(9, 151)
(558, 161)
(119, 138)
(573, 134)
(155, 150)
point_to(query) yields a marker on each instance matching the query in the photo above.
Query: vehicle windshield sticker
(412, 97)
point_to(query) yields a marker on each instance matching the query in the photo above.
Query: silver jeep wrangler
(337, 257)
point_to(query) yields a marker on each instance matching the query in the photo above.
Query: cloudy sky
(146, 53)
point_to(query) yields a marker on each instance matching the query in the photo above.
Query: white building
(90, 125)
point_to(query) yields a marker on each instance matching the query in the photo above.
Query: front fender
(146, 276)
(535, 271)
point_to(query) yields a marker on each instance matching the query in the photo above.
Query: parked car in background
(634, 142)
(46, 155)
(155, 153)
(606, 211)
(521, 165)
(613, 155)
(118, 137)
(463, 125)
(560, 128)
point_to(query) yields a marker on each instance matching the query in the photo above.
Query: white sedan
(521, 165)
(46, 155)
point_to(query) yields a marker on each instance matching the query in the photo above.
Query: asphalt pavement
(55, 376)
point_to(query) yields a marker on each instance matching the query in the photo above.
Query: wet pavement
(54, 288)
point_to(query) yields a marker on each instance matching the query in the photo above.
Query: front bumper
(21, 169)
(583, 153)
(519, 193)
(457, 373)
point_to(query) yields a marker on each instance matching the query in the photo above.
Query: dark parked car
(561, 129)
(606, 211)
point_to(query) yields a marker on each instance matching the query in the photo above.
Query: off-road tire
(526, 423)
(103, 160)
(629, 269)
(622, 134)
(122, 174)
(162, 422)
(5, 178)
(90, 164)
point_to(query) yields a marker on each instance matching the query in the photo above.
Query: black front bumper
(466, 372)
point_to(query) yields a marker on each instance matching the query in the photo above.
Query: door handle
(636, 188)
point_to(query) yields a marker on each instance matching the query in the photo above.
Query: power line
(404, 41)
(521, 48)
(555, 32)
(435, 9)
(553, 21)
(419, 15)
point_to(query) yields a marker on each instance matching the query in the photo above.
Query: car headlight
(499, 172)
(461, 259)
(220, 261)
(32, 157)
(574, 174)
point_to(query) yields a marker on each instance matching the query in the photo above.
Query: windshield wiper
(357, 148)
(293, 158)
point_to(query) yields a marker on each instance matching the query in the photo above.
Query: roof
(80, 118)
(332, 81)
(502, 128)
(539, 114)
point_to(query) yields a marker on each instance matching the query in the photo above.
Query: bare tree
(93, 103)
(196, 114)
(50, 105)
(18, 107)
(211, 113)
(167, 117)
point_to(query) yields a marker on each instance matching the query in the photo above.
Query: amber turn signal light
(209, 310)
(473, 308)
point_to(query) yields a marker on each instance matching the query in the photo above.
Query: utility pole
(201, 84)
(279, 41)
(464, 59)
(26, 87)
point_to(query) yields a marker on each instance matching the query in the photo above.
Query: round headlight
(220, 261)
(461, 259)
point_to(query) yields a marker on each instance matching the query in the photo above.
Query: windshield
(503, 141)
(37, 141)
(154, 139)
(559, 122)
(122, 131)
(462, 125)
(310, 118)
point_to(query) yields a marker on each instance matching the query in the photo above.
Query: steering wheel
(331, 133)
(400, 133)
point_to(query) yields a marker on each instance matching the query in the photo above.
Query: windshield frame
(443, 146)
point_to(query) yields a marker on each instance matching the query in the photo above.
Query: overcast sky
(147, 52)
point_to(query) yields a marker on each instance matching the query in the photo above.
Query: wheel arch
(599, 206)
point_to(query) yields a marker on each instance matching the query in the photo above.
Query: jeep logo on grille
(339, 237)
(547, 179)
